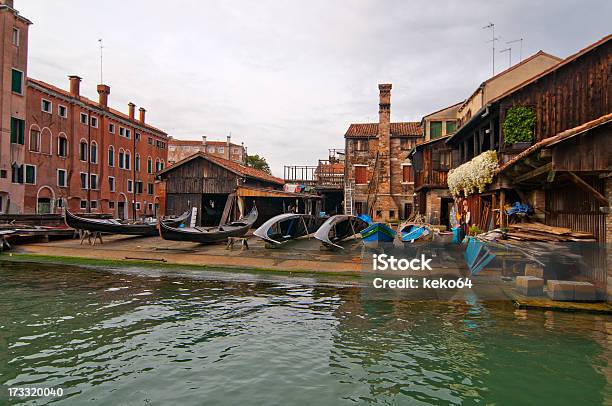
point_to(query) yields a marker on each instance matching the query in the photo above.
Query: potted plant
(518, 127)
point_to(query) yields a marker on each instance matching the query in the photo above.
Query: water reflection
(109, 338)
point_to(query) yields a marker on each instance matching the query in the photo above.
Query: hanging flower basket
(473, 176)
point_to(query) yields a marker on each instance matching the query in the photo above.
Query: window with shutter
(407, 174)
(361, 175)
(435, 129)
(17, 131)
(17, 81)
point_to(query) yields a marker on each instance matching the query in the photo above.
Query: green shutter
(435, 129)
(17, 79)
(17, 131)
(30, 175)
(451, 126)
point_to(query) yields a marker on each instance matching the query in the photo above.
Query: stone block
(560, 290)
(584, 291)
(529, 285)
(534, 270)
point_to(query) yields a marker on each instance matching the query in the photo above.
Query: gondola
(112, 226)
(338, 228)
(288, 226)
(206, 235)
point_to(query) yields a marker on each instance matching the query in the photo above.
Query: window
(451, 127)
(30, 174)
(17, 131)
(62, 111)
(211, 150)
(121, 159)
(83, 204)
(59, 203)
(137, 205)
(361, 174)
(157, 165)
(122, 131)
(221, 150)
(150, 188)
(149, 165)
(407, 175)
(94, 122)
(83, 180)
(406, 144)
(127, 133)
(111, 205)
(83, 150)
(361, 145)
(130, 185)
(111, 128)
(34, 140)
(137, 162)
(94, 181)
(137, 136)
(128, 158)
(84, 118)
(94, 204)
(445, 160)
(61, 178)
(139, 187)
(45, 106)
(62, 146)
(435, 129)
(111, 156)
(17, 81)
(111, 183)
(150, 141)
(150, 207)
(16, 173)
(391, 214)
(94, 153)
(15, 39)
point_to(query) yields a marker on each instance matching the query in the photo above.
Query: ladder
(373, 186)
(348, 197)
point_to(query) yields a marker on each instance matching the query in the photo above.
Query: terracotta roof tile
(409, 128)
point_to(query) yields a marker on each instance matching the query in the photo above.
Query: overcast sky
(288, 77)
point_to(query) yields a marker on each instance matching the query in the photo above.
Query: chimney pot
(75, 85)
(103, 92)
(131, 110)
(141, 116)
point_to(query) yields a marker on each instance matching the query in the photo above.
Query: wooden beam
(532, 174)
(588, 188)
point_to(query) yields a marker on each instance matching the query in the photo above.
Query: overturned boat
(207, 235)
(288, 226)
(376, 233)
(411, 232)
(113, 226)
(338, 228)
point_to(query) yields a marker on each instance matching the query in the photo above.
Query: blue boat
(412, 232)
(377, 232)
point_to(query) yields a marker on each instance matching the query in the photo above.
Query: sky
(287, 77)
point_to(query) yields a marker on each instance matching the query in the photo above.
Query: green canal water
(110, 338)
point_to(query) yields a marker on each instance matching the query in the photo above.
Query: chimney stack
(131, 110)
(75, 85)
(141, 115)
(103, 92)
(384, 137)
(7, 3)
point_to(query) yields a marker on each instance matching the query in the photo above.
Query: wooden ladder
(348, 197)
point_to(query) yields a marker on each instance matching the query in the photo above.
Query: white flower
(474, 175)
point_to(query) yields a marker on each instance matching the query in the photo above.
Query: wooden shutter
(407, 175)
(17, 81)
(361, 175)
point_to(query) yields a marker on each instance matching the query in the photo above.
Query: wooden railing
(431, 178)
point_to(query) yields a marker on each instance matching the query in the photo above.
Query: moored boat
(288, 226)
(338, 228)
(377, 232)
(411, 232)
(113, 226)
(206, 235)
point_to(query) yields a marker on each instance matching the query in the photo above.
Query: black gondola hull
(115, 227)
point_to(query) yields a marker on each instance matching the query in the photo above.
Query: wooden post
(502, 212)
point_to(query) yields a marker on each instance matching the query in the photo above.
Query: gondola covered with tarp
(288, 226)
(338, 228)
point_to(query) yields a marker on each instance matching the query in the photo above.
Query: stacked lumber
(544, 233)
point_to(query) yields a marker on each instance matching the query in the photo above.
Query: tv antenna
(509, 50)
(101, 48)
(492, 41)
(520, 40)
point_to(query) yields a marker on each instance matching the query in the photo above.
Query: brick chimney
(227, 148)
(131, 110)
(7, 3)
(141, 115)
(75, 85)
(384, 137)
(103, 92)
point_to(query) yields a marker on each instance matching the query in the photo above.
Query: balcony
(432, 179)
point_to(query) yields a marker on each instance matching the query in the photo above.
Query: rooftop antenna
(520, 48)
(492, 41)
(101, 47)
(509, 50)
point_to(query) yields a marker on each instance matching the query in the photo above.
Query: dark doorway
(407, 210)
(212, 209)
(121, 210)
(446, 204)
(44, 205)
(360, 208)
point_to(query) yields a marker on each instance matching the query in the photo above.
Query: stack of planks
(542, 232)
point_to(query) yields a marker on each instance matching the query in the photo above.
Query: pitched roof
(174, 141)
(562, 136)
(409, 128)
(235, 167)
(92, 104)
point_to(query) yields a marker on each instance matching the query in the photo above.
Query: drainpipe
(134, 175)
(89, 161)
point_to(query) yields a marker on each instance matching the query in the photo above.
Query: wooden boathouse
(222, 189)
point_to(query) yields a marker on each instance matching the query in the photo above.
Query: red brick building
(64, 147)
(181, 149)
(378, 174)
